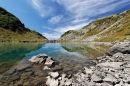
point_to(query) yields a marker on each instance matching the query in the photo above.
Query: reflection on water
(71, 58)
(87, 50)
(11, 53)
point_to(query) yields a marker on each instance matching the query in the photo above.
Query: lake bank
(112, 69)
(70, 58)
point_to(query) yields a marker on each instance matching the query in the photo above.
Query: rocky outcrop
(110, 70)
(42, 58)
(123, 47)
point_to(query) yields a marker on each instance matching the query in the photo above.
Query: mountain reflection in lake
(12, 53)
(70, 58)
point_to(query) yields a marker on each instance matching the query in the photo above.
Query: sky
(52, 18)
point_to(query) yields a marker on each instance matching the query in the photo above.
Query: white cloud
(66, 28)
(79, 20)
(52, 35)
(41, 7)
(59, 31)
(90, 8)
(55, 19)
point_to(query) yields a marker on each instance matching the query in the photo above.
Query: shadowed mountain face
(11, 28)
(112, 28)
(11, 53)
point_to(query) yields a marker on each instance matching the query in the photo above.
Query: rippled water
(11, 54)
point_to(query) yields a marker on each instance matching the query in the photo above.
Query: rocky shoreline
(112, 69)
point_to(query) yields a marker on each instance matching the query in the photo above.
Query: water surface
(11, 54)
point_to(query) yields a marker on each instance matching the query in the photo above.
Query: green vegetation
(120, 32)
(12, 29)
(68, 32)
(109, 29)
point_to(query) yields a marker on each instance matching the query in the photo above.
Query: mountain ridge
(102, 29)
(11, 29)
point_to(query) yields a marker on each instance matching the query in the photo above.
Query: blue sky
(54, 17)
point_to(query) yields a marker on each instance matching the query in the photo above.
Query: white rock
(46, 68)
(126, 84)
(51, 82)
(105, 84)
(88, 70)
(54, 74)
(34, 59)
(59, 78)
(95, 78)
(118, 55)
(42, 58)
(49, 61)
(115, 65)
(68, 83)
(110, 78)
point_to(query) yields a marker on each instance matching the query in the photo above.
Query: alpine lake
(15, 68)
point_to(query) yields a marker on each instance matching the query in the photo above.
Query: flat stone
(87, 70)
(49, 61)
(54, 74)
(110, 78)
(10, 72)
(23, 67)
(39, 82)
(115, 65)
(56, 68)
(95, 78)
(14, 77)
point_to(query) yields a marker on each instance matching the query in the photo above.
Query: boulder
(52, 82)
(49, 61)
(115, 65)
(54, 74)
(87, 70)
(119, 47)
(110, 78)
(42, 58)
(46, 68)
(119, 55)
(95, 78)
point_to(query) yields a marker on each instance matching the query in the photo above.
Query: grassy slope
(118, 32)
(11, 28)
(15, 36)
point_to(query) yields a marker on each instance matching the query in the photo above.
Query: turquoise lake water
(11, 54)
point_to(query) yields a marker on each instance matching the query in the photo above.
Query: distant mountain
(109, 29)
(11, 29)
